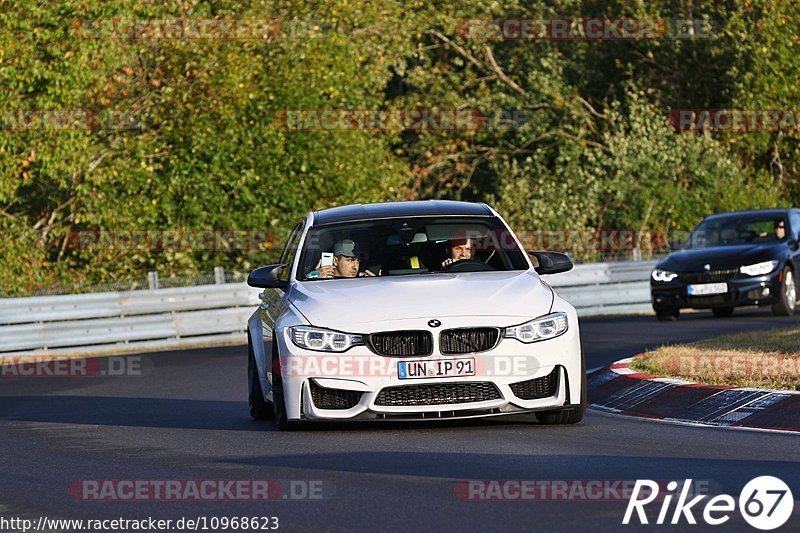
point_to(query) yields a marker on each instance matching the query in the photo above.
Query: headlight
(663, 275)
(759, 269)
(323, 340)
(547, 327)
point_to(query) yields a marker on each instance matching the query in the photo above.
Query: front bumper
(756, 290)
(511, 378)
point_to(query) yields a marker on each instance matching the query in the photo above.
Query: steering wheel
(468, 265)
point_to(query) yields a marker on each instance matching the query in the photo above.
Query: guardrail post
(152, 280)
(219, 275)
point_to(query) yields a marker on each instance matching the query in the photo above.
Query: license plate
(707, 288)
(447, 368)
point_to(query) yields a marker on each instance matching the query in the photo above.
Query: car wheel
(567, 416)
(722, 311)
(668, 314)
(788, 296)
(281, 420)
(260, 409)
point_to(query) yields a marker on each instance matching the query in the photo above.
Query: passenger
(346, 262)
(457, 250)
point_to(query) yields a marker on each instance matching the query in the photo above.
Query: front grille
(711, 276)
(438, 394)
(401, 343)
(326, 398)
(537, 388)
(715, 299)
(468, 340)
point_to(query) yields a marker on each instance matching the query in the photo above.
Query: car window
(409, 246)
(794, 223)
(736, 231)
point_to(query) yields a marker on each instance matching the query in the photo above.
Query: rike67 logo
(765, 503)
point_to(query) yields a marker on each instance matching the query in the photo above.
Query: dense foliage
(168, 134)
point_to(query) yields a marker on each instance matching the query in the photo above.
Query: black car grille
(711, 276)
(438, 394)
(716, 299)
(468, 340)
(401, 343)
(537, 388)
(326, 398)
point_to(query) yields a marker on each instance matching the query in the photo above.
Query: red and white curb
(619, 389)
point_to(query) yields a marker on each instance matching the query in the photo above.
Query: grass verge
(764, 359)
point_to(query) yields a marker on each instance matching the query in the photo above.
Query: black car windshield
(408, 246)
(730, 231)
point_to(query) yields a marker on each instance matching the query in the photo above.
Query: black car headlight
(759, 269)
(663, 275)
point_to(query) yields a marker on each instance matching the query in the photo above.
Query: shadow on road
(195, 414)
(134, 412)
(717, 473)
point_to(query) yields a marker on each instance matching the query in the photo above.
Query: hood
(343, 303)
(720, 257)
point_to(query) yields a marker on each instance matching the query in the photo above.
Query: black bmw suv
(731, 260)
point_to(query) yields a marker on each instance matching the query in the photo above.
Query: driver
(780, 229)
(458, 249)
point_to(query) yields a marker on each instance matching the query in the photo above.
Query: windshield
(729, 231)
(408, 246)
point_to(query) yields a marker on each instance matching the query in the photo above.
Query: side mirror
(266, 277)
(552, 262)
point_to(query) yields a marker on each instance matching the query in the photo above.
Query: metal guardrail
(111, 321)
(606, 288)
(213, 314)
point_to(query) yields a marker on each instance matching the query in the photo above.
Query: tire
(668, 314)
(281, 420)
(567, 416)
(788, 296)
(260, 409)
(722, 311)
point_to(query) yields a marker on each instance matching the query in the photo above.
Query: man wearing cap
(345, 262)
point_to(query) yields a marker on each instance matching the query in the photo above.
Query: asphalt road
(186, 418)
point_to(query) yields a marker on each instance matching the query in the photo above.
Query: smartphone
(327, 259)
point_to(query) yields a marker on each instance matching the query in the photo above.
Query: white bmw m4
(412, 311)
